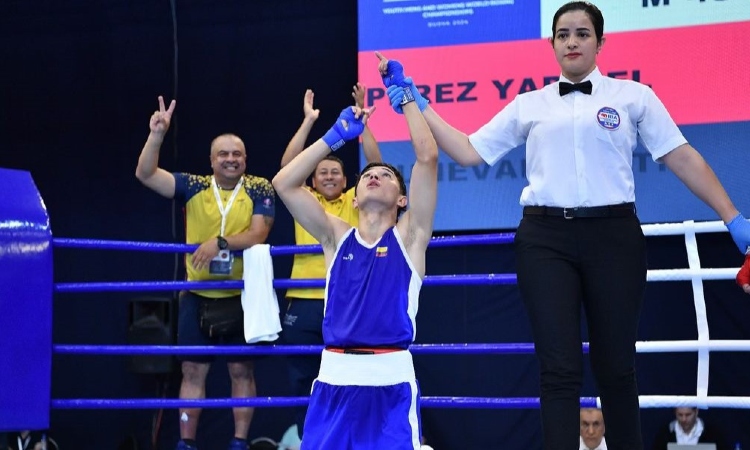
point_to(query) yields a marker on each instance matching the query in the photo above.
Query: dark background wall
(79, 80)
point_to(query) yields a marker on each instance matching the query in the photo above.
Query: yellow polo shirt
(203, 220)
(313, 265)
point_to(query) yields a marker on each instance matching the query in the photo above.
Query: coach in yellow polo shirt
(303, 321)
(225, 211)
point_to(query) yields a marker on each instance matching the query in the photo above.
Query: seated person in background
(592, 429)
(31, 440)
(688, 428)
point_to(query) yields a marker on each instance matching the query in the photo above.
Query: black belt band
(620, 210)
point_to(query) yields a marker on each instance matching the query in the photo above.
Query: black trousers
(599, 263)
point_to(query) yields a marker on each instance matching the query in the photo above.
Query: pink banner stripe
(701, 73)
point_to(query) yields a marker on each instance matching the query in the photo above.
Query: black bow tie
(567, 88)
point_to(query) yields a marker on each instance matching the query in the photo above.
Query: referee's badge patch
(608, 118)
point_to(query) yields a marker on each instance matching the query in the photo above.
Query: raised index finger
(161, 104)
(380, 56)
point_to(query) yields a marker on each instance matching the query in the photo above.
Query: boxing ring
(26, 245)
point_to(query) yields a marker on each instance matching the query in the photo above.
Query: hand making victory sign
(161, 119)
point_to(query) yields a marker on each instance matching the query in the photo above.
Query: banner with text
(470, 59)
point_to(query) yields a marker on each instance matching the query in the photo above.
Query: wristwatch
(408, 96)
(222, 243)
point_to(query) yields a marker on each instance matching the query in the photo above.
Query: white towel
(259, 303)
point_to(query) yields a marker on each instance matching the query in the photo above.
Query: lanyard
(224, 210)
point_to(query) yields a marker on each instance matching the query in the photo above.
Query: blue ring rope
(283, 402)
(101, 244)
(522, 348)
(133, 286)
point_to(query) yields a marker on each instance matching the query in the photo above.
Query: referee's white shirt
(579, 147)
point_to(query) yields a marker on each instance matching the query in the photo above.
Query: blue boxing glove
(394, 75)
(739, 228)
(346, 128)
(399, 96)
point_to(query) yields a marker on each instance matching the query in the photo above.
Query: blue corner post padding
(25, 304)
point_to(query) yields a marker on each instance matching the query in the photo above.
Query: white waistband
(382, 369)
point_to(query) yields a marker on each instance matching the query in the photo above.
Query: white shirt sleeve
(500, 135)
(657, 130)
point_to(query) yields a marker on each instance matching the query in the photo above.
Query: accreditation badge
(222, 263)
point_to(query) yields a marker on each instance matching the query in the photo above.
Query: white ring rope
(686, 401)
(694, 262)
(689, 274)
(721, 345)
(703, 345)
(689, 401)
(671, 229)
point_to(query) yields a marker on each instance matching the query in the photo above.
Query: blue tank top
(372, 294)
